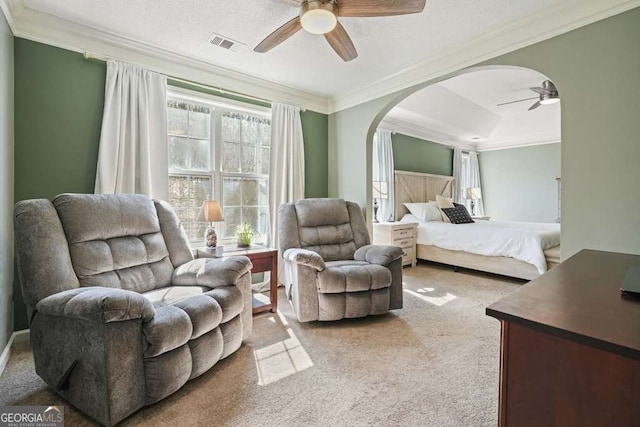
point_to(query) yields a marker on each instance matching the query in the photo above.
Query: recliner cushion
(352, 276)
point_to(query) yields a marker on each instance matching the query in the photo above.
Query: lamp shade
(473, 193)
(210, 212)
(380, 190)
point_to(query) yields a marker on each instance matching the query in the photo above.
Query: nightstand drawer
(406, 242)
(402, 233)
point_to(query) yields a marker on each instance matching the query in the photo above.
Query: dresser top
(580, 300)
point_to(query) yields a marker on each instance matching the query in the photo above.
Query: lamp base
(375, 211)
(473, 205)
(210, 237)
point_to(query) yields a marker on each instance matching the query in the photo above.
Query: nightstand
(481, 218)
(402, 234)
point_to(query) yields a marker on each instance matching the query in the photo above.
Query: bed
(412, 187)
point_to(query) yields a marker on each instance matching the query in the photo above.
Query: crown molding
(44, 28)
(9, 9)
(422, 132)
(530, 30)
(506, 144)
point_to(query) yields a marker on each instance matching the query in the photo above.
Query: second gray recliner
(331, 271)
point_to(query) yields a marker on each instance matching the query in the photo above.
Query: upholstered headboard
(414, 187)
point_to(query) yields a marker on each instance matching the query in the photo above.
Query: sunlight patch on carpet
(280, 360)
(423, 294)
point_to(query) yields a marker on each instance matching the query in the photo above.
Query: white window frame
(217, 106)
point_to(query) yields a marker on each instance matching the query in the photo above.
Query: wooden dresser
(570, 346)
(401, 234)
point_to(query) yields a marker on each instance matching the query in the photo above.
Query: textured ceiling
(385, 45)
(464, 109)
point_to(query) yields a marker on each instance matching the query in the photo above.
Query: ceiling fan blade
(279, 35)
(519, 100)
(534, 106)
(341, 43)
(368, 8)
(540, 90)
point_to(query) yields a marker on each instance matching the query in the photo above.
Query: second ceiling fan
(321, 17)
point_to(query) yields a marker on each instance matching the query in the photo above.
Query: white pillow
(425, 212)
(444, 202)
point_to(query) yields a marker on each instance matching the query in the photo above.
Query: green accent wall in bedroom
(419, 155)
(59, 97)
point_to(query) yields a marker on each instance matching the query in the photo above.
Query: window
(218, 150)
(465, 178)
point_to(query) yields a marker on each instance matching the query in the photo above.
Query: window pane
(265, 133)
(231, 191)
(177, 121)
(249, 161)
(178, 153)
(230, 157)
(249, 192)
(263, 196)
(232, 218)
(189, 154)
(186, 194)
(199, 125)
(249, 130)
(264, 161)
(230, 127)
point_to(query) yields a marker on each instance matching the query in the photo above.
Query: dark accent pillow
(458, 215)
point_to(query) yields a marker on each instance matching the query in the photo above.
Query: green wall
(6, 182)
(419, 155)
(596, 69)
(58, 114)
(519, 184)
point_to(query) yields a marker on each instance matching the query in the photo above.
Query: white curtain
(133, 142)
(383, 170)
(457, 176)
(474, 180)
(286, 171)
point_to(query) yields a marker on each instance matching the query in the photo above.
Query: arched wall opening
(461, 109)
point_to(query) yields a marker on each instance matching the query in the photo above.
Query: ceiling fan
(547, 94)
(321, 17)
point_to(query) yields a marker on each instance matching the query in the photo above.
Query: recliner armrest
(304, 257)
(211, 272)
(378, 254)
(98, 304)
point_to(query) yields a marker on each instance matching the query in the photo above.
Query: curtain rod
(88, 55)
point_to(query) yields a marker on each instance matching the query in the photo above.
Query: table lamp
(380, 191)
(473, 194)
(210, 212)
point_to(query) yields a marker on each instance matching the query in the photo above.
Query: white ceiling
(464, 111)
(394, 52)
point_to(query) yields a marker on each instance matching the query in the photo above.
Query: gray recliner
(331, 271)
(121, 315)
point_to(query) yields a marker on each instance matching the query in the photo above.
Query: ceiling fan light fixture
(318, 17)
(549, 101)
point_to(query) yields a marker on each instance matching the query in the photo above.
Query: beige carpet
(433, 363)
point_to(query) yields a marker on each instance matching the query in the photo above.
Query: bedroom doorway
(496, 130)
(509, 116)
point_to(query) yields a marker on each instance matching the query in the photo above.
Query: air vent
(225, 42)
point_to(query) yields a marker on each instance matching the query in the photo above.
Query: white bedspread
(524, 241)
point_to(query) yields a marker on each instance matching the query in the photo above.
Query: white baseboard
(16, 337)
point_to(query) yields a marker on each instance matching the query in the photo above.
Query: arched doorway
(480, 108)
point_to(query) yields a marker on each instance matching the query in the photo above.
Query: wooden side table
(263, 260)
(402, 234)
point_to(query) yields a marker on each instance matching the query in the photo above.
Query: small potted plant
(244, 233)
